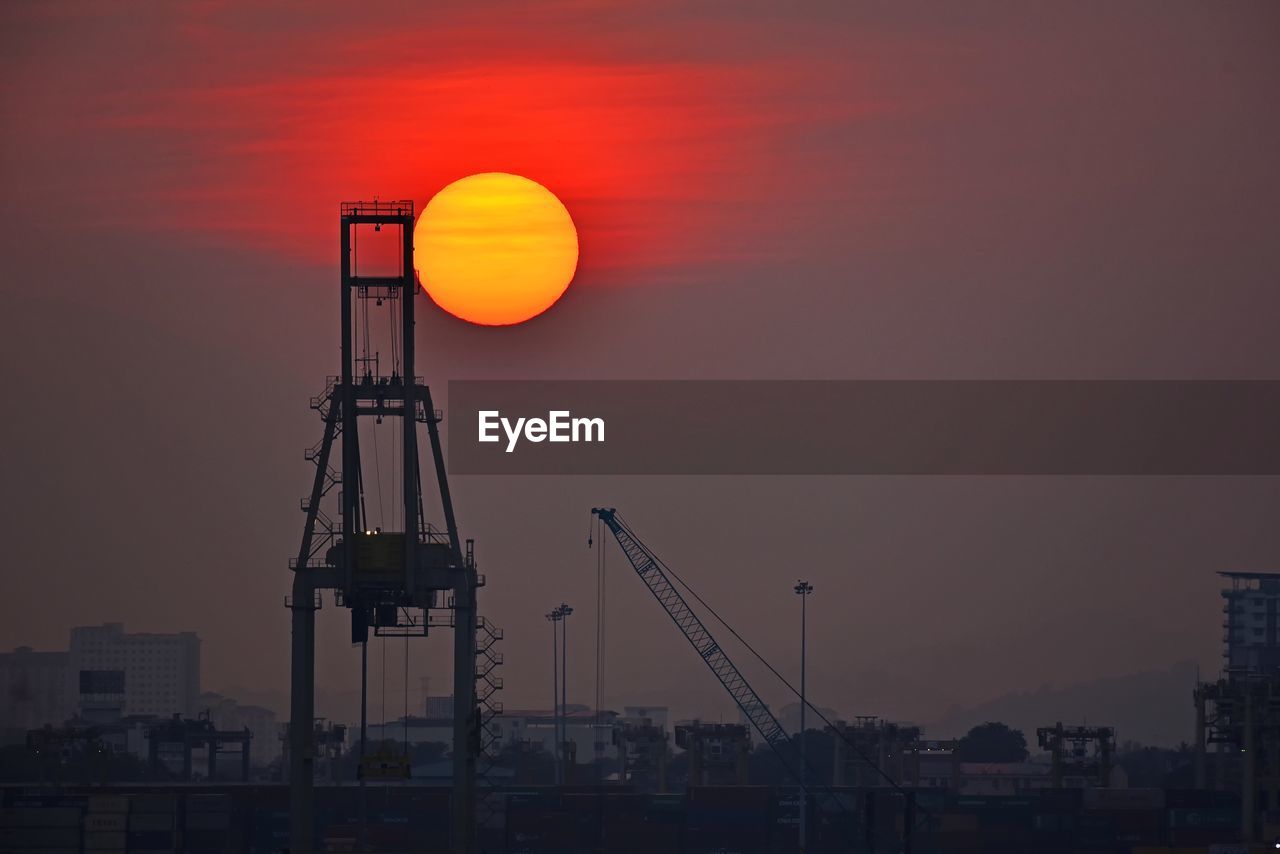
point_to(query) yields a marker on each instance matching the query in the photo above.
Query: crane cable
(382, 741)
(377, 457)
(406, 698)
(839, 734)
(391, 320)
(355, 333)
(395, 368)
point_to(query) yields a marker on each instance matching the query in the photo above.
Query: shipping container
(108, 804)
(104, 841)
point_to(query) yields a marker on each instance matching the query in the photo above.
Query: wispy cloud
(661, 158)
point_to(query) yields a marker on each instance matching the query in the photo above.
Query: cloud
(662, 158)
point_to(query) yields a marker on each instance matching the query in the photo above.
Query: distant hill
(1153, 707)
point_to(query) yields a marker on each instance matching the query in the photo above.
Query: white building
(417, 731)
(144, 674)
(591, 738)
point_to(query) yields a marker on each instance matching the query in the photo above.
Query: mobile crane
(655, 576)
(650, 570)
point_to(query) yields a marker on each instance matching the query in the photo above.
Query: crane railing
(649, 568)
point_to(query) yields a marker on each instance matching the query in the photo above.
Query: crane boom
(649, 568)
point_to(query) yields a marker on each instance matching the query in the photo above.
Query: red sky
(221, 120)
(676, 133)
(847, 190)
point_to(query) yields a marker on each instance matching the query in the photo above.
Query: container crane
(650, 570)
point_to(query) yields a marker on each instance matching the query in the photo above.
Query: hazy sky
(885, 190)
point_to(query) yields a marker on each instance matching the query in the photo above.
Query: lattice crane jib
(649, 568)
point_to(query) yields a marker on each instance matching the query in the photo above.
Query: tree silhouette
(993, 742)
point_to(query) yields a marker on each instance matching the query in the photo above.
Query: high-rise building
(144, 674)
(35, 689)
(1251, 623)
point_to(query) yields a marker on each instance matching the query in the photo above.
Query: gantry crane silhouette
(387, 565)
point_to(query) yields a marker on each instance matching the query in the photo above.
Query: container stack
(209, 828)
(153, 826)
(731, 818)
(40, 829)
(106, 824)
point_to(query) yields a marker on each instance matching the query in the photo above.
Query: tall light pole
(803, 589)
(565, 611)
(554, 618)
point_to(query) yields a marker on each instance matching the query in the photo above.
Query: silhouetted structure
(1083, 751)
(387, 573)
(651, 572)
(1239, 714)
(872, 751)
(718, 753)
(1251, 624)
(188, 735)
(642, 753)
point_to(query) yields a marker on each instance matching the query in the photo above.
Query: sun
(495, 249)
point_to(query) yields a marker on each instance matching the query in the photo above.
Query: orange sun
(495, 249)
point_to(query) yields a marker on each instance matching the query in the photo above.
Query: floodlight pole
(803, 589)
(565, 611)
(554, 618)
